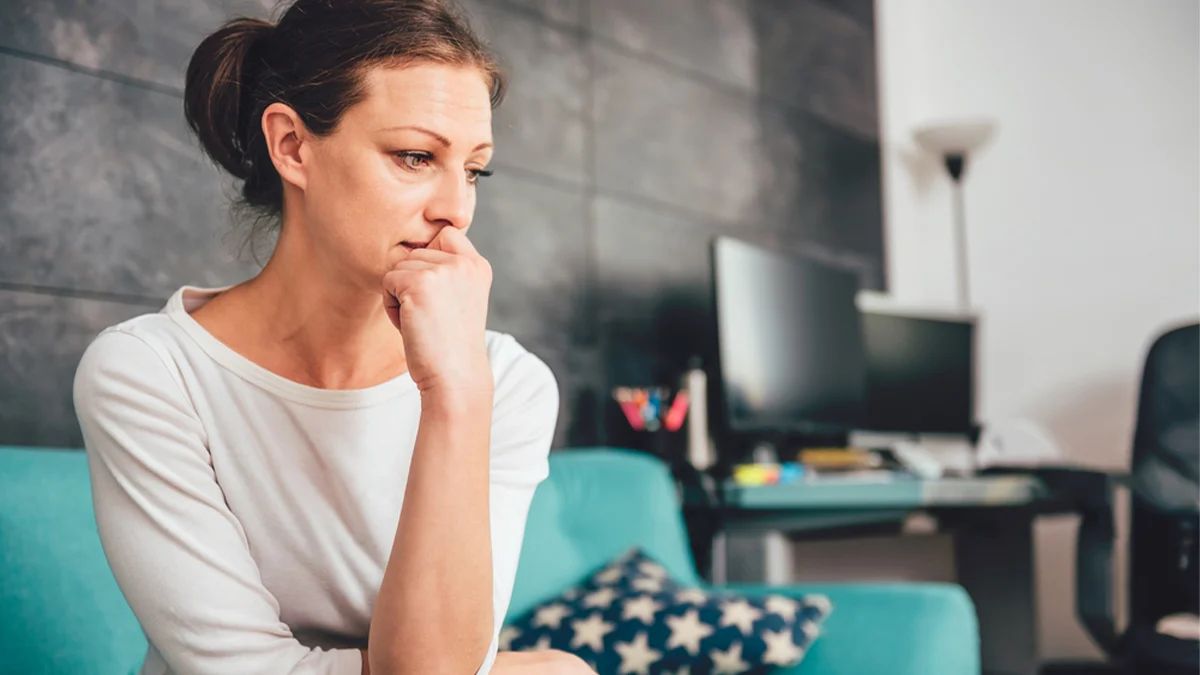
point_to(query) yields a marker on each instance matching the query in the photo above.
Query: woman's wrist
(471, 381)
(458, 400)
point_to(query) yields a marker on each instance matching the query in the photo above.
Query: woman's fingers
(401, 279)
(396, 282)
(429, 255)
(391, 305)
(439, 304)
(411, 263)
(453, 240)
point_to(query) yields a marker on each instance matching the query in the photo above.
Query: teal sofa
(61, 610)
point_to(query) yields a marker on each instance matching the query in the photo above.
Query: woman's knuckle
(484, 269)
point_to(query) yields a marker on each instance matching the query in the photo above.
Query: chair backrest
(60, 608)
(1166, 443)
(596, 504)
(1166, 481)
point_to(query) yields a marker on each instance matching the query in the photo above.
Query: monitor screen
(920, 373)
(789, 341)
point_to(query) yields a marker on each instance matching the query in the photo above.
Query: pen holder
(650, 419)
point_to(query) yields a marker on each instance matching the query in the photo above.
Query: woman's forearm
(434, 612)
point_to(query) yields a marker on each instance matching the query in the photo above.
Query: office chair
(1165, 497)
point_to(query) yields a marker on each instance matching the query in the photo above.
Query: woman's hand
(438, 297)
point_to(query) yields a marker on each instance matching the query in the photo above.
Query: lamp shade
(955, 138)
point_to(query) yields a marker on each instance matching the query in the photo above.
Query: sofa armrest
(894, 628)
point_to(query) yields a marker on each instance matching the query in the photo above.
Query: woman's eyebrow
(442, 140)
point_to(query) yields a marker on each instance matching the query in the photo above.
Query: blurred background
(634, 132)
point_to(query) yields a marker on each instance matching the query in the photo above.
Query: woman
(327, 468)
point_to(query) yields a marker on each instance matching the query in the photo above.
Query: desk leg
(761, 558)
(777, 558)
(718, 567)
(994, 559)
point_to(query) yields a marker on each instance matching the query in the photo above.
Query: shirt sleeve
(178, 553)
(523, 421)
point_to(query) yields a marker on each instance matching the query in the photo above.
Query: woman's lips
(414, 245)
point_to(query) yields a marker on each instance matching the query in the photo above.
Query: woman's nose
(453, 203)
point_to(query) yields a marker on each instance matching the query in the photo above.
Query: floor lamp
(954, 142)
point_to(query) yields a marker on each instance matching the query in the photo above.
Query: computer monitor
(920, 373)
(789, 342)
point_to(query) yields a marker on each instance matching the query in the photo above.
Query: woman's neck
(307, 322)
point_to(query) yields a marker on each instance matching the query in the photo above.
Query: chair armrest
(1094, 574)
(894, 628)
(1090, 494)
(1093, 579)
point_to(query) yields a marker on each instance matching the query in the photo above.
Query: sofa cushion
(596, 504)
(632, 617)
(60, 608)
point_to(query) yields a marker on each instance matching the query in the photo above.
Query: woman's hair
(314, 60)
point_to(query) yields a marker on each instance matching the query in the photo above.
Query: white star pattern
(550, 616)
(618, 611)
(591, 632)
(687, 631)
(602, 597)
(609, 575)
(642, 607)
(647, 585)
(652, 569)
(741, 614)
(693, 596)
(636, 656)
(820, 603)
(785, 607)
(507, 635)
(781, 650)
(729, 662)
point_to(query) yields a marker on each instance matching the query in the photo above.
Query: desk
(900, 493)
(991, 519)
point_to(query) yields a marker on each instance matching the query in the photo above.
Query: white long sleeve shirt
(248, 518)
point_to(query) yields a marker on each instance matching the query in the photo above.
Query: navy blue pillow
(631, 618)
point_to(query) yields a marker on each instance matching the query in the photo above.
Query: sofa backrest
(596, 504)
(62, 612)
(60, 608)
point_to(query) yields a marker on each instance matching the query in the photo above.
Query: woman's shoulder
(148, 340)
(519, 373)
(525, 412)
(147, 353)
(137, 350)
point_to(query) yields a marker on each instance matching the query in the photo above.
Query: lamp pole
(953, 142)
(956, 165)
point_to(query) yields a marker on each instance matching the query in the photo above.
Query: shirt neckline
(190, 298)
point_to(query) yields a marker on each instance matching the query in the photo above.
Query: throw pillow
(631, 618)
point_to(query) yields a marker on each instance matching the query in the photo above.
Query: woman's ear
(286, 135)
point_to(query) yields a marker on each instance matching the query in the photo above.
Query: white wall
(1083, 213)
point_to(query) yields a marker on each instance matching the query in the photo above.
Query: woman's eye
(473, 175)
(414, 160)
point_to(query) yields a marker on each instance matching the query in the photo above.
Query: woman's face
(400, 166)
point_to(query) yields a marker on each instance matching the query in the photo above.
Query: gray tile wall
(633, 132)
